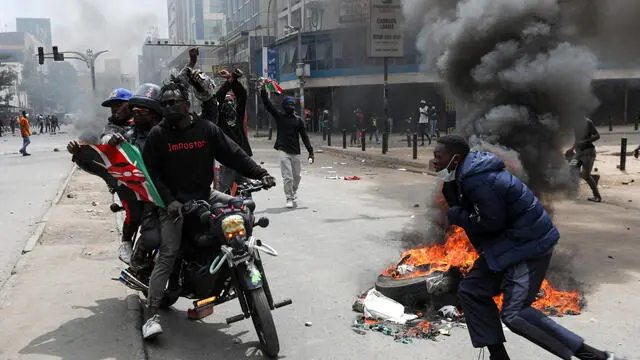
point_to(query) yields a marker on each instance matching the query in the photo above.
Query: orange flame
(458, 252)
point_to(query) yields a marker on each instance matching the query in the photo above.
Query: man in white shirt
(423, 121)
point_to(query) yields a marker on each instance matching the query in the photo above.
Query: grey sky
(119, 26)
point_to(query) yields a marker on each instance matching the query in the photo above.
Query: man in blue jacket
(515, 237)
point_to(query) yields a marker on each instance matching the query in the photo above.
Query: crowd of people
(179, 149)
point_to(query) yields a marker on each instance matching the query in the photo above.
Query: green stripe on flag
(135, 158)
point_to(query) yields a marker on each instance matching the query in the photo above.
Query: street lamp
(89, 58)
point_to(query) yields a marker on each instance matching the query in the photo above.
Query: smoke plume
(520, 82)
(98, 25)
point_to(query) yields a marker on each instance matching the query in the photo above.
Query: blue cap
(288, 100)
(119, 94)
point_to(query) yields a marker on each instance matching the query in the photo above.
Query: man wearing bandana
(515, 238)
(232, 104)
(180, 154)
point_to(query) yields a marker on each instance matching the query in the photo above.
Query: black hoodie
(232, 122)
(181, 161)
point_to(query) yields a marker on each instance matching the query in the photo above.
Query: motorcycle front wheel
(263, 323)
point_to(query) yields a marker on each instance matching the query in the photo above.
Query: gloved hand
(450, 192)
(268, 181)
(116, 139)
(73, 147)
(175, 209)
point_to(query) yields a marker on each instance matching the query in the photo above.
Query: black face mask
(143, 122)
(174, 113)
(289, 109)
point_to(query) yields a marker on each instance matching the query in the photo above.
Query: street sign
(385, 33)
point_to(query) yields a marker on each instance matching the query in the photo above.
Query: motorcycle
(220, 261)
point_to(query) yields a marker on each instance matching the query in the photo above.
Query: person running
(515, 238)
(585, 156)
(25, 132)
(290, 129)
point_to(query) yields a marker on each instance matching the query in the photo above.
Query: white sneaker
(612, 356)
(125, 251)
(152, 328)
(289, 204)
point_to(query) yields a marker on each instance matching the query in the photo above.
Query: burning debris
(425, 279)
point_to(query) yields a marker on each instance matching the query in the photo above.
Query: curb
(33, 240)
(378, 160)
(134, 315)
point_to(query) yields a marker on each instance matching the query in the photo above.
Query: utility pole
(301, 68)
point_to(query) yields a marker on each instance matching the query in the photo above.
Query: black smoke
(521, 85)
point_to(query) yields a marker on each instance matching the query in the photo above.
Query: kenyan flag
(272, 86)
(124, 164)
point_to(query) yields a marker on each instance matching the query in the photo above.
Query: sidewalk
(61, 302)
(620, 188)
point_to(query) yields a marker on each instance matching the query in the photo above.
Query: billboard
(353, 11)
(40, 28)
(269, 63)
(385, 29)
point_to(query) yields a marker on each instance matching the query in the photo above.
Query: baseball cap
(118, 94)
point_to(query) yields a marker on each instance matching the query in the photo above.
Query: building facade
(38, 27)
(343, 76)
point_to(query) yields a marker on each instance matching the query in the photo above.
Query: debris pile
(422, 280)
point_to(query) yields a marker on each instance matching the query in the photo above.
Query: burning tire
(437, 288)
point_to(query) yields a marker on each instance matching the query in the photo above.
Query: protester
(25, 132)
(145, 105)
(515, 238)
(12, 124)
(41, 123)
(423, 121)
(290, 129)
(358, 125)
(584, 155)
(116, 128)
(373, 123)
(179, 154)
(232, 105)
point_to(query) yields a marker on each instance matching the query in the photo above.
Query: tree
(54, 91)
(8, 78)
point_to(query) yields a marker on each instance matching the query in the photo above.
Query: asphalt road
(345, 232)
(27, 187)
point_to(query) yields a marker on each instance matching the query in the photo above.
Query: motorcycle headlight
(232, 226)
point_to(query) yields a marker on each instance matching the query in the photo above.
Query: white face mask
(447, 175)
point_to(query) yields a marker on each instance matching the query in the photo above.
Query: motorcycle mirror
(262, 222)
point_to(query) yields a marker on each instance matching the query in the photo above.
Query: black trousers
(520, 284)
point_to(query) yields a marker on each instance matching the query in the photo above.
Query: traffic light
(40, 55)
(56, 55)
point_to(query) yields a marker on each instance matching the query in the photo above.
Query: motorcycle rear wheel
(263, 323)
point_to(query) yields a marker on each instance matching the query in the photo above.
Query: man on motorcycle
(232, 104)
(113, 132)
(147, 112)
(180, 154)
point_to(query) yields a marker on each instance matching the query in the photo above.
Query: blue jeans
(25, 143)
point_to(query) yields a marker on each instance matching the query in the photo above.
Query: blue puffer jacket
(502, 217)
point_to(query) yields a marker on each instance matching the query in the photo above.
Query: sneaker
(125, 251)
(612, 356)
(289, 204)
(595, 199)
(26, 154)
(152, 328)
